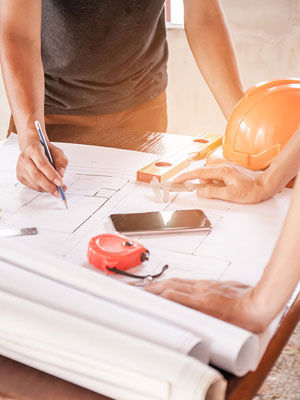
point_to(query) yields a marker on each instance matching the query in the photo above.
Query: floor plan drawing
(86, 195)
(49, 290)
(101, 181)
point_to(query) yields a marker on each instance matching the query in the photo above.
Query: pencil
(48, 155)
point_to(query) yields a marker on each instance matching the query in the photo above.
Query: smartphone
(161, 222)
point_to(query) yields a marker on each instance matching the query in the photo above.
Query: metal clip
(162, 190)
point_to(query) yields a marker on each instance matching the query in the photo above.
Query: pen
(48, 155)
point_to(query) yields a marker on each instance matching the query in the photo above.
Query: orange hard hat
(260, 125)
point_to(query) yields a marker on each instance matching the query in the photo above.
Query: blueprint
(101, 181)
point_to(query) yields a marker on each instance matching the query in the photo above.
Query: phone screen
(161, 222)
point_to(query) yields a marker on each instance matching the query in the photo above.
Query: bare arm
(210, 42)
(21, 63)
(251, 308)
(284, 167)
(245, 186)
(283, 270)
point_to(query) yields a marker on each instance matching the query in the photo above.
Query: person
(101, 64)
(250, 308)
(234, 183)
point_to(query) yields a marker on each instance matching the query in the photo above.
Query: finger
(36, 178)
(179, 297)
(39, 158)
(181, 280)
(57, 193)
(215, 182)
(188, 176)
(60, 160)
(217, 173)
(30, 185)
(233, 284)
(61, 171)
(201, 301)
(217, 192)
(206, 181)
(160, 287)
(24, 178)
(192, 282)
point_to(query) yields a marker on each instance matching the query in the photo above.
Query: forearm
(283, 270)
(250, 308)
(284, 167)
(210, 42)
(24, 81)
(21, 62)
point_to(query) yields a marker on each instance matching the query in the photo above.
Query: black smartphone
(161, 222)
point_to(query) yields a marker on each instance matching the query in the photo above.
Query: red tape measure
(116, 254)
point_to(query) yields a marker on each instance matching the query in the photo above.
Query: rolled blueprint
(101, 359)
(29, 285)
(231, 348)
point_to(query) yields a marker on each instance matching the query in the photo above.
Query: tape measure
(116, 254)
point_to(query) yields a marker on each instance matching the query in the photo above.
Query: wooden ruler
(171, 164)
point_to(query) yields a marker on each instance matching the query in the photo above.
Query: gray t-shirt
(102, 56)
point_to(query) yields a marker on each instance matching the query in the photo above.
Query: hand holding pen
(34, 169)
(57, 181)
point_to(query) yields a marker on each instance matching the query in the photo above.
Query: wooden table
(20, 382)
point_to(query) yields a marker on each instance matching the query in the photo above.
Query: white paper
(20, 282)
(101, 182)
(103, 360)
(235, 349)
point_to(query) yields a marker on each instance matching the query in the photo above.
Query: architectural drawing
(86, 195)
(101, 181)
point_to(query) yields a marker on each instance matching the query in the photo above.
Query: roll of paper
(230, 347)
